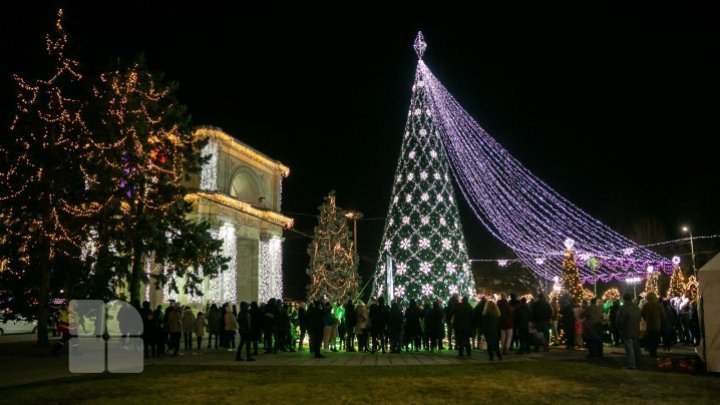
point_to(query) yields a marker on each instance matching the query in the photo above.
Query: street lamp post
(354, 216)
(692, 248)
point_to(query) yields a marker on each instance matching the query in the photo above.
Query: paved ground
(24, 363)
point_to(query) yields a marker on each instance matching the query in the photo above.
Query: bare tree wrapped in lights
(42, 188)
(333, 260)
(423, 232)
(148, 154)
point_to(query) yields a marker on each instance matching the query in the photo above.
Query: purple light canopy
(519, 209)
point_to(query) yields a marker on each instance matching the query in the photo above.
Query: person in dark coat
(188, 324)
(567, 320)
(412, 326)
(614, 309)
(213, 327)
(283, 327)
(491, 324)
(302, 323)
(160, 334)
(424, 311)
(434, 325)
(395, 328)
(256, 325)
(269, 325)
(350, 323)
(652, 314)
(592, 317)
(316, 325)
(542, 313)
(378, 325)
(521, 320)
(148, 334)
(245, 330)
(628, 325)
(477, 321)
(224, 343)
(462, 325)
(667, 326)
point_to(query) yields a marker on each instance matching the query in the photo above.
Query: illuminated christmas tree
(677, 283)
(570, 278)
(333, 260)
(43, 205)
(651, 284)
(423, 233)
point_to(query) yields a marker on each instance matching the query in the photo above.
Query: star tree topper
(420, 45)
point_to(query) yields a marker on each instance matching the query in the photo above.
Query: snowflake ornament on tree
(427, 290)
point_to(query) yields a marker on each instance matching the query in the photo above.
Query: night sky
(616, 109)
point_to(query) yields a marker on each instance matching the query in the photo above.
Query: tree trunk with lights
(139, 250)
(42, 194)
(42, 264)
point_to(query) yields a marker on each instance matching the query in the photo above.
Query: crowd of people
(500, 325)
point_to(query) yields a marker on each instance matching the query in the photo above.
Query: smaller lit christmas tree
(570, 277)
(611, 294)
(677, 283)
(651, 284)
(333, 260)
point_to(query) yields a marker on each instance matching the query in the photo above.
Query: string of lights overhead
(504, 262)
(518, 208)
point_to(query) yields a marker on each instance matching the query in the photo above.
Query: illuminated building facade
(239, 191)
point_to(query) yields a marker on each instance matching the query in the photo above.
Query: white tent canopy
(709, 290)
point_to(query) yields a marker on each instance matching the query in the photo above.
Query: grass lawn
(519, 382)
